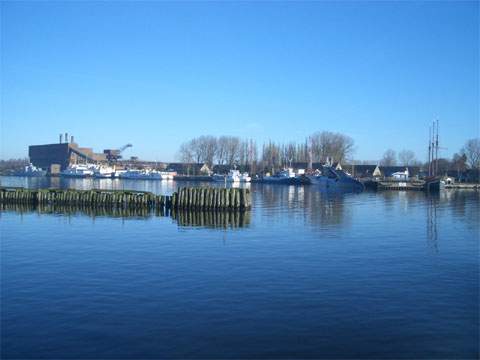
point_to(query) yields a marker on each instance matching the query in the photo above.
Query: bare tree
(459, 163)
(389, 158)
(472, 152)
(406, 157)
(232, 150)
(271, 156)
(185, 154)
(207, 148)
(201, 149)
(222, 150)
(327, 144)
(252, 155)
(11, 165)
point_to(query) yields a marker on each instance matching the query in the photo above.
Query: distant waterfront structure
(57, 157)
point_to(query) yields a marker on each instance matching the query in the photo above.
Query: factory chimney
(71, 139)
(61, 136)
(66, 138)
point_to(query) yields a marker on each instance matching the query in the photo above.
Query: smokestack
(71, 139)
(66, 137)
(61, 137)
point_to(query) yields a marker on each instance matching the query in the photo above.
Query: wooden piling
(184, 198)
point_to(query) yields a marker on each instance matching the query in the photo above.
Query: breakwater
(186, 198)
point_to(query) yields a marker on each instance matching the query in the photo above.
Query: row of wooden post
(212, 198)
(184, 198)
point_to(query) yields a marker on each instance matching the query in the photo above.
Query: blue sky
(155, 74)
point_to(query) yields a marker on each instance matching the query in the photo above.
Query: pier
(463, 186)
(185, 198)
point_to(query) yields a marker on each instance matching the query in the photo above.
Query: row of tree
(467, 157)
(320, 146)
(231, 150)
(12, 165)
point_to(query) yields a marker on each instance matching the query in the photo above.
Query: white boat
(330, 178)
(118, 173)
(245, 178)
(136, 174)
(167, 175)
(233, 176)
(104, 172)
(283, 176)
(130, 174)
(80, 171)
(31, 170)
(401, 175)
(153, 175)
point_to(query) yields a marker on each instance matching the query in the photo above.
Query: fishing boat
(78, 171)
(282, 177)
(31, 171)
(331, 178)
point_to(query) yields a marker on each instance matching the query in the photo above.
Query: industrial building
(57, 157)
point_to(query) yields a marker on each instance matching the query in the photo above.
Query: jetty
(463, 186)
(185, 198)
(430, 184)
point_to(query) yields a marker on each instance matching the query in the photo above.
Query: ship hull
(336, 183)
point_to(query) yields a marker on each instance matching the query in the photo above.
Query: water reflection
(163, 187)
(184, 218)
(212, 219)
(317, 207)
(432, 228)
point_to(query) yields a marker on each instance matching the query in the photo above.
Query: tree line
(234, 151)
(468, 157)
(320, 146)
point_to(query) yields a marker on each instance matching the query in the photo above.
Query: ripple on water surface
(312, 275)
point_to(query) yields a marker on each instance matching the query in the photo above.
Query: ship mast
(429, 151)
(436, 152)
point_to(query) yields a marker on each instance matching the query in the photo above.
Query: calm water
(310, 275)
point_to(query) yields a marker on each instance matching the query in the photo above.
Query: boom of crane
(114, 155)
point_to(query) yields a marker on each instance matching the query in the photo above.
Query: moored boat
(233, 176)
(167, 175)
(137, 174)
(104, 172)
(31, 171)
(78, 171)
(330, 178)
(282, 177)
(430, 184)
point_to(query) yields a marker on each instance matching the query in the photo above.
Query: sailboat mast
(436, 152)
(310, 153)
(432, 140)
(429, 151)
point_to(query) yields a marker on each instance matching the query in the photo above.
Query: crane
(113, 155)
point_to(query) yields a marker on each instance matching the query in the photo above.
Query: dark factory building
(44, 156)
(57, 157)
